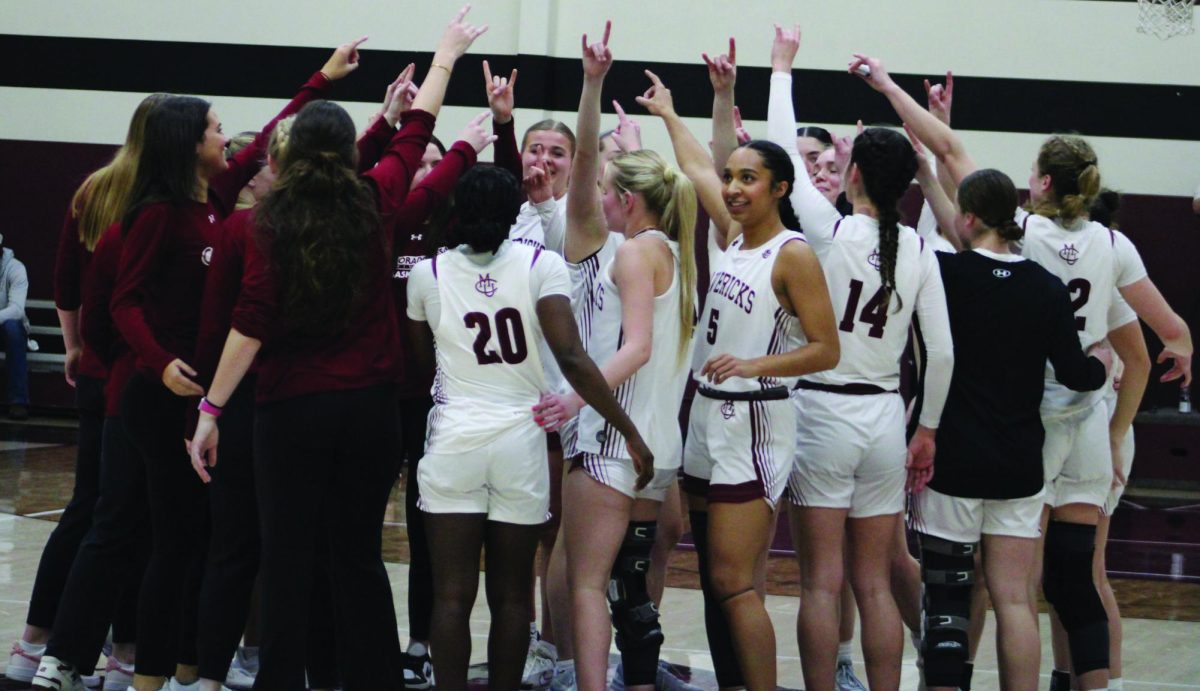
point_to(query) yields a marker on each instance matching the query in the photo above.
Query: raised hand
(941, 97)
(784, 48)
(843, 147)
(343, 61)
(628, 135)
(597, 58)
(722, 71)
(743, 137)
(400, 95)
(499, 94)
(537, 185)
(923, 166)
(657, 98)
(458, 37)
(475, 134)
(878, 77)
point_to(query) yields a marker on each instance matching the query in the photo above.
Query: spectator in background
(14, 287)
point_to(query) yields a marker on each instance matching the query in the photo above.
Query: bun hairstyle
(104, 196)
(322, 222)
(238, 142)
(549, 125)
(1105, 207)
(991, 197)
(166, 169)
(486, 202)
(1074, 177)
(669, 194)
(887, 163)
(278, 141)
(776, 160)
(819, 133)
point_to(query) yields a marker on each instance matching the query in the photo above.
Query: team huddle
(315, 310)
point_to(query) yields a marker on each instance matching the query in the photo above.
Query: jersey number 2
(1080, 290)
(873, 313)
(510, 334)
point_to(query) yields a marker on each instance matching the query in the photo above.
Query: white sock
(32, 648)
(844, 655)
(550, 649)
(1115, 685)
(417, 649)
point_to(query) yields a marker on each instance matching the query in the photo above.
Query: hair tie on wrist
(439, 66)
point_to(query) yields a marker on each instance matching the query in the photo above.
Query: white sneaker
(665, 679)
(539, 665)
(242, 670)
(53, 673)
(117, 676)
(845, 680)
(23, 664)
(173, 685)
(564, 679)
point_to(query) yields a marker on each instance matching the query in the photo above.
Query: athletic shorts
(1114, 493)
(1077, 458)
(850, 452)
(619, 474)
(738, 451)
(508, 479)
(961, 519)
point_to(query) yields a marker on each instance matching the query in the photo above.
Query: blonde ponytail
(1074, 178)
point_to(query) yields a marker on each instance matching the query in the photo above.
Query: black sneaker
(418, 671)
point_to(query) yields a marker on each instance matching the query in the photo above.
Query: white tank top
(652, 395)
(1092, 261)
(490, 370)
(872, 337)
(742, 316)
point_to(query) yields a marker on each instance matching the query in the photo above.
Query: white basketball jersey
(490, 372)
(1092, 261)
(742, 316)
(543, 226)
(872, 333)
(652, 395)
(586, 291)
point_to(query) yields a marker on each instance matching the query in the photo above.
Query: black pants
(233, 549)
(60, 549)
(105, 577)
(325, 464)
(167, 604)
(414, 413)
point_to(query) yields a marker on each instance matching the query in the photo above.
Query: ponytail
(991, 196)
(1074, 178)
(887, 163)
(787, 213)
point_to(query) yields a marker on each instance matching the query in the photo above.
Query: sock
(32, 648)
(1060, 680)
(968, 672)
(1115, 685)
(844, 657)
(417, 649)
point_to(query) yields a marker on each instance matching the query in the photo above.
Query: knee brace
(1069, 588)
(634, 614)
(720, 639)
(947, 574)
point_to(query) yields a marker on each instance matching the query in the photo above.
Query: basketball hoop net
(1165, 18)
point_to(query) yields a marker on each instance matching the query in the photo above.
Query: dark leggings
(455, 541)
(105, 577)
(414, 413)
(167, 605)
(325, 464)
(233, 550)
(720, 637)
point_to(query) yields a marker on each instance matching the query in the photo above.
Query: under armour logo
(875, 260)
(486, 285)
(206, 255)
(212, 218)
(1001, 273)
(1069, 254)
(727, 410)
(417, 236)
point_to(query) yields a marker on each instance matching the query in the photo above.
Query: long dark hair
(776, 160)
(486, 202)
(992, 197)
(322, 224)
(888, 164)
(166, 170)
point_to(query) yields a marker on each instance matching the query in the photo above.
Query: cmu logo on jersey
(875, 260)
(1001, 273)
(206, 256)
(1069, 254)
(727, 410)
(486, 285)
(766, 254)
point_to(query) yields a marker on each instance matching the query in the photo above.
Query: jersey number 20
(510, 335)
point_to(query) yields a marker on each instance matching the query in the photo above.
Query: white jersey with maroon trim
(742, 315)
(484, 319)
(651, 395)
(1092, 261)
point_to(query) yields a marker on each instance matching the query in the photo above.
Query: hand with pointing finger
(743, 137)
(784, 48)
(941, 97)
(475, 134)
(597, 58)
(657, 98)
(343, 61)
(722, 70)
(628, 135)
(878, 77)
(400, 95)
(501, 98)
(457, 39)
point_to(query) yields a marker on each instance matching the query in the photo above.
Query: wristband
(207, 407)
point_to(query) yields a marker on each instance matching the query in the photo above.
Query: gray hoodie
(14, 288)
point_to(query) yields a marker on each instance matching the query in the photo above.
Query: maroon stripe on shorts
(735, 494)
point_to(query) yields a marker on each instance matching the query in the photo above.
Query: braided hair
(887, 163)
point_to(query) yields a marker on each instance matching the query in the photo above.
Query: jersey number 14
(873, 313)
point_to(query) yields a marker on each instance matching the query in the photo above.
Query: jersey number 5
(873, 313)
(510, 334)
(713, 316)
